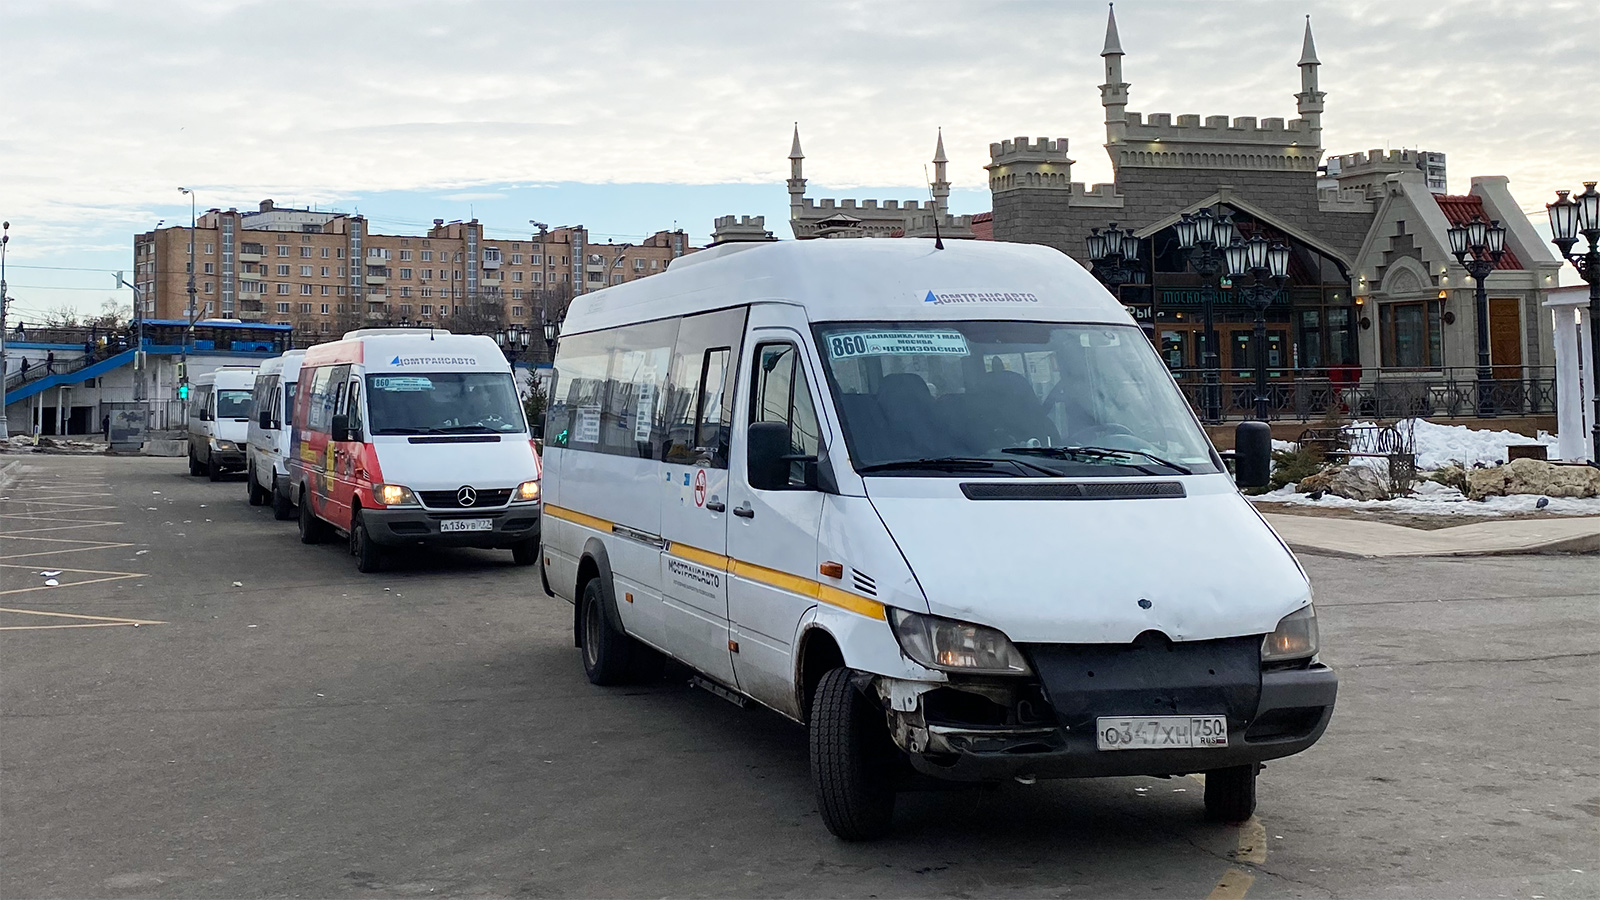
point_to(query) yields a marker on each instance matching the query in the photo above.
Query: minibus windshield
(944, 398)
(443, 403)
(233, 404)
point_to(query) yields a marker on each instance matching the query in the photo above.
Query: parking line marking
(1252, 842)
(1233, 885)
(90, 621)
(95, 546)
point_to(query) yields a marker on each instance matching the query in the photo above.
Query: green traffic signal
(183, 392)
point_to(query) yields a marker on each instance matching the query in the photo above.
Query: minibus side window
(319, 409)
(781, 394)
(699, 420)
(352, 408)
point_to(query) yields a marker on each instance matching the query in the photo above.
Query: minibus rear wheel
(1231, 793)
(607, 652)
(258, 497)
(282, 506)
(852, 760)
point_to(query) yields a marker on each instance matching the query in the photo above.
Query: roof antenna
(938, 239)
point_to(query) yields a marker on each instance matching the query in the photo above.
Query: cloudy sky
(633, 117)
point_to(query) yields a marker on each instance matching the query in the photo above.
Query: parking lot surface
(204, 707)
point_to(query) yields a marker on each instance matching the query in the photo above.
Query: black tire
(1231, 793)
(213, 468)
(194, 464)
(852, 760)
(526, 553)
(607, 652)
(282, 506)
(258, 496)
(312, 529)
(369, 556)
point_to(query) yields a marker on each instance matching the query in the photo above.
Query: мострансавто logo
(433, 361)
(980, 297)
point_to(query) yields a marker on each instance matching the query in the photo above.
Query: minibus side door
(694, 521)
(773, 533)
(342, 465)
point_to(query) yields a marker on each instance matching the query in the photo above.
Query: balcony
(491, 260)
(490, 279)
(250, 305)
(377, 275)
(250, 253)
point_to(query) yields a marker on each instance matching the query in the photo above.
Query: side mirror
(769, 455)
(339, 428)
(1252, 454)
(264, 419)
(205, 415)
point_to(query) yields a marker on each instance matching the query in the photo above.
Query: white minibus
(273, 411)
(944, 506)
(219, 418)
(407, 437)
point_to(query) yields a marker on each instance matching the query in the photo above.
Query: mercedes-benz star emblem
(466, 496)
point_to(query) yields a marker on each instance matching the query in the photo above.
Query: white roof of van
(863, 279)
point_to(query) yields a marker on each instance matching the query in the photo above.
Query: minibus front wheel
(282, 506)
(369, 556)
(852, 759)
(1231, 793)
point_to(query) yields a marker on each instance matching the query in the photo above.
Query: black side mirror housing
(339, 428)
(264, 419)
(1252, 455)
(767, 445)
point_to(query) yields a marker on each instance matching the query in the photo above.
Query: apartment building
(325, 272)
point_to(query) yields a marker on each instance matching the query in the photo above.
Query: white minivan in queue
(273, 411)
(413, 437)
(219, 420)
(946, 507)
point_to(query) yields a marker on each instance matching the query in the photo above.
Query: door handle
(716, 506)
(744, 512)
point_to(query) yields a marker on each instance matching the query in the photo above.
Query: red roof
(1461, 210)
(983, 226)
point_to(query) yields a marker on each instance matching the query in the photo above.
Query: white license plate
(1161, 732)
(467, 525)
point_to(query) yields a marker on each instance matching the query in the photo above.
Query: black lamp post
(552, 333)
(1568, 219)
(1114, 256)
(513, 340)
(1478, 246)
(1268, 266)
(1203, 238)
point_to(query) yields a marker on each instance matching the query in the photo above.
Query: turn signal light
(832, 569)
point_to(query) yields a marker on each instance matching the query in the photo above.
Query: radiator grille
(1098, 490)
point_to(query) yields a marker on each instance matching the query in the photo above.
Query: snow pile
(1438, 445)
(1433, 499)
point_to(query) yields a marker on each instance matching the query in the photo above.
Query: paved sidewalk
(1351, 537)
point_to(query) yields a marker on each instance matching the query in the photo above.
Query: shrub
(1294, 465)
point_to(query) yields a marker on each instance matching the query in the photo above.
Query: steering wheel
(1104, 429)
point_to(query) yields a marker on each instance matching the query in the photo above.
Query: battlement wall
(1217, 129)
(830, 205)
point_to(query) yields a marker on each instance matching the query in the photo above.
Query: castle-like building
(1372, 280)
(831, 218)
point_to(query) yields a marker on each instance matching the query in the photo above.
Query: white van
(219, 420)
(267, 478)
(945, 506)
(408, 437)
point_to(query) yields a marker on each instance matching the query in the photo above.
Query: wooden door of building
(1505, 337)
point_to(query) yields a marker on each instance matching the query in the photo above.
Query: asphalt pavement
(204, 707)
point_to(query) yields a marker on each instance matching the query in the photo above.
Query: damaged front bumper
(994, 729)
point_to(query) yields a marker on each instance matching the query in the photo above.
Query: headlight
(225, 446)
(526, 491)
(394, 495)
(953, 646)
(1296, 637)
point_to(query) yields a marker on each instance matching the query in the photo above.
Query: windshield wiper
(467, 429)
(406, 429)
(1102, 453)
(945, 463)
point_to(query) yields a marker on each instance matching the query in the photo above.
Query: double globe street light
(1267, 264)
(1478, 246)
(1114, 256)
(1203, 238)
(1568, 219)
(513, 341)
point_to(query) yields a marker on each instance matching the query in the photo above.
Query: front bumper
(996, 729)
(229, 459)
(415, 526)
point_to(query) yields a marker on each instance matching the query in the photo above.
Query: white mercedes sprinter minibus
(219, 420)
(944, 506)
(413, 437)
(273, 396)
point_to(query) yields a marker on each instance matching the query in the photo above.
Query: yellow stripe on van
(577, 518)
(805, 587)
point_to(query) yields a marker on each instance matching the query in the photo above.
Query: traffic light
(183, 370)
(183, 391)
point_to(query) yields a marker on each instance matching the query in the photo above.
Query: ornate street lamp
(1114, 256)
(1478, 246)
(552, 332)
(513, 340)
(1568, 219)
(1202, 239)
(1268, 266)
